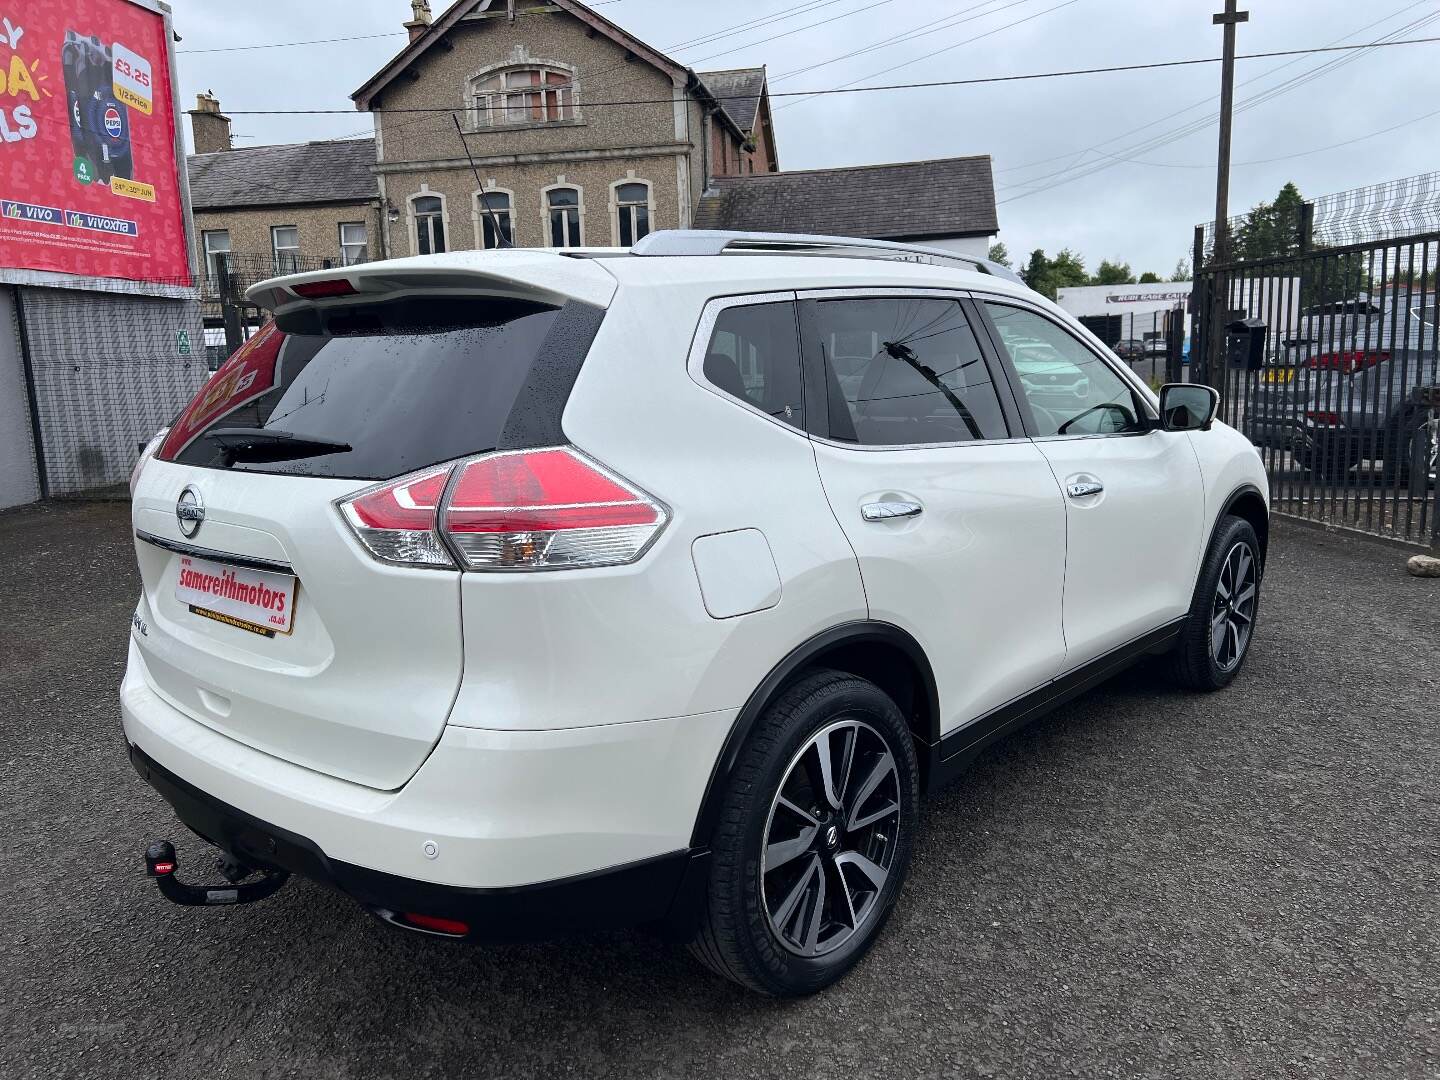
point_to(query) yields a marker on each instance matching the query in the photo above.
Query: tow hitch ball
(161, 864)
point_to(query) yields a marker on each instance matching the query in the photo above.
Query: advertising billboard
(90, 183)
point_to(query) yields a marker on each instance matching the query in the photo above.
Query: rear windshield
(366, 392)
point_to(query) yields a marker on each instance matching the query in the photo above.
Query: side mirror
(1188, 407)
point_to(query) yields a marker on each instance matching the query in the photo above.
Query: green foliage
(999, 254)
(1113, 274)
(1182, 271)
(1149, 277)
(1047, 276)
(1270, 230)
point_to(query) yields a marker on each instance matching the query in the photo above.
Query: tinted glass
(754, 355)
(1069, 389)
(904, 371)
(402, 385)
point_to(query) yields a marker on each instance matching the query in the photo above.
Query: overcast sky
(1049, 137)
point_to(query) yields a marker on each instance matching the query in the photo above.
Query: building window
(354, 242)
(632, 212)
(429, 214)
(217, 249)
(285, 243)
(536, 95)
(564, 214)
(492, 211)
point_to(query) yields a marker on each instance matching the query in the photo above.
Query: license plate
(1279, 375)
(255, 600)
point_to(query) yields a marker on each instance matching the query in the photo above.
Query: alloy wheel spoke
(1218, 627)
(826, 762)
(817, 914)
(788, 906)
(1246, 595)
(799, 811)
(874, 816)
(847, 893)
(876, 874)
(786, 851)
(878, 773)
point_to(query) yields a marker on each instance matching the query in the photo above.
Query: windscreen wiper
(269, 444)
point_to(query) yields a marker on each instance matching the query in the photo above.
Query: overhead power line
(934, 84)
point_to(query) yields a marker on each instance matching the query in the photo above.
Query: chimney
(420, 18)
(209, 127)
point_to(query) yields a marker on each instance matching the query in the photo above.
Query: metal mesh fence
(1388, 211)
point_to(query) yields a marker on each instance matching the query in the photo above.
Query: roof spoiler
(718, 242)
(513, 273)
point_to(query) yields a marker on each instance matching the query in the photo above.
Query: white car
(515, 593)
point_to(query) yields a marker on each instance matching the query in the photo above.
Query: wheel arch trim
(1244, 491)
(797, 660)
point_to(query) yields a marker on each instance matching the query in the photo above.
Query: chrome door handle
(885, 511)
(1081, 491)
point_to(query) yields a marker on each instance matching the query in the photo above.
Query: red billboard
(87, 134)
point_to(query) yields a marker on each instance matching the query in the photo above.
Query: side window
(1068, 389)
(905, 370)
(754, 355)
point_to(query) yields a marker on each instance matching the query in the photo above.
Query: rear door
(265, 619)
(953, 514)
(1134, 498)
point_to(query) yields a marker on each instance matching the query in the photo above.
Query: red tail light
(524, 510)
(1322, 419)
(319, 290)
(1347, 362)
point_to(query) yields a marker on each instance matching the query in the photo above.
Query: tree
(1149, 277)
(1271, 230)
(1068, 270)
(1113, 274)
(1182, 271)
(1037, 274)
(999, 254)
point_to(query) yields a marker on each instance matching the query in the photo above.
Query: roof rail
(717, 242)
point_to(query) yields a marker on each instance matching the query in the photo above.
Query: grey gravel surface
(1145, 884)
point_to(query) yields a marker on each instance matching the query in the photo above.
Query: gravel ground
(1145, 884)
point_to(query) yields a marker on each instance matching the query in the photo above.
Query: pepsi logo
(112, 122)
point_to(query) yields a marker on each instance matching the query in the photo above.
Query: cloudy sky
(1117, 166)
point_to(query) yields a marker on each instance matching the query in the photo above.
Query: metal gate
(1328, 359)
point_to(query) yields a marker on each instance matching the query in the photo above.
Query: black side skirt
(954, 753)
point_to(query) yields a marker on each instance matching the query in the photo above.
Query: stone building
(543, 124)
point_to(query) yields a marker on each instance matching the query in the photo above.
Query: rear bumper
(659, 891)
(522, 834)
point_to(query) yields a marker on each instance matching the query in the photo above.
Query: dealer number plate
(255, 600)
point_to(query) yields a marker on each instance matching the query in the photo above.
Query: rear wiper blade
(270, 444)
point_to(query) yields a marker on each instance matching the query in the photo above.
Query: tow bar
(161, 864)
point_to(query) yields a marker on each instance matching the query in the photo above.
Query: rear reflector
(545, 509)
(435, 924)
(318, 290)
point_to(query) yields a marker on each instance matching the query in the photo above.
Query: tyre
(1221, 624)
(813, 840)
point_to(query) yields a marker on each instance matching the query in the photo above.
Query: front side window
(524, 96)
(493, 210)
(904, 371)
(354, 242)
(217, 250)
(563, 207)
(754, 356)
(429, 224)
(632, 204)
(1068, 389)
(285, 241)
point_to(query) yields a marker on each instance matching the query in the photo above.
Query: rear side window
(754, 355)
(368, 392)
(905, 371)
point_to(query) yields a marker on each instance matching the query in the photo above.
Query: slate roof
(912, 200)
(738, 91)
(334, 171)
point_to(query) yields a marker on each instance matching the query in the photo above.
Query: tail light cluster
(1347, 361)
(524, 510)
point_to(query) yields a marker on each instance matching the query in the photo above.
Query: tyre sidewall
(1233, 530)
(818, 705)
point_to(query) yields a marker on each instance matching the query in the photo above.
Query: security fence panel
(1327, 359)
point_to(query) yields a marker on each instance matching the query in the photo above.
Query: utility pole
(1229, 18)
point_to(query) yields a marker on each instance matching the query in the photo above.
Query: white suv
(522, 592)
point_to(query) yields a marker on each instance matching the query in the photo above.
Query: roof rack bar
(718, 242)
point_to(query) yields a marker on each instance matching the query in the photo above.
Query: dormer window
(528, 95)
